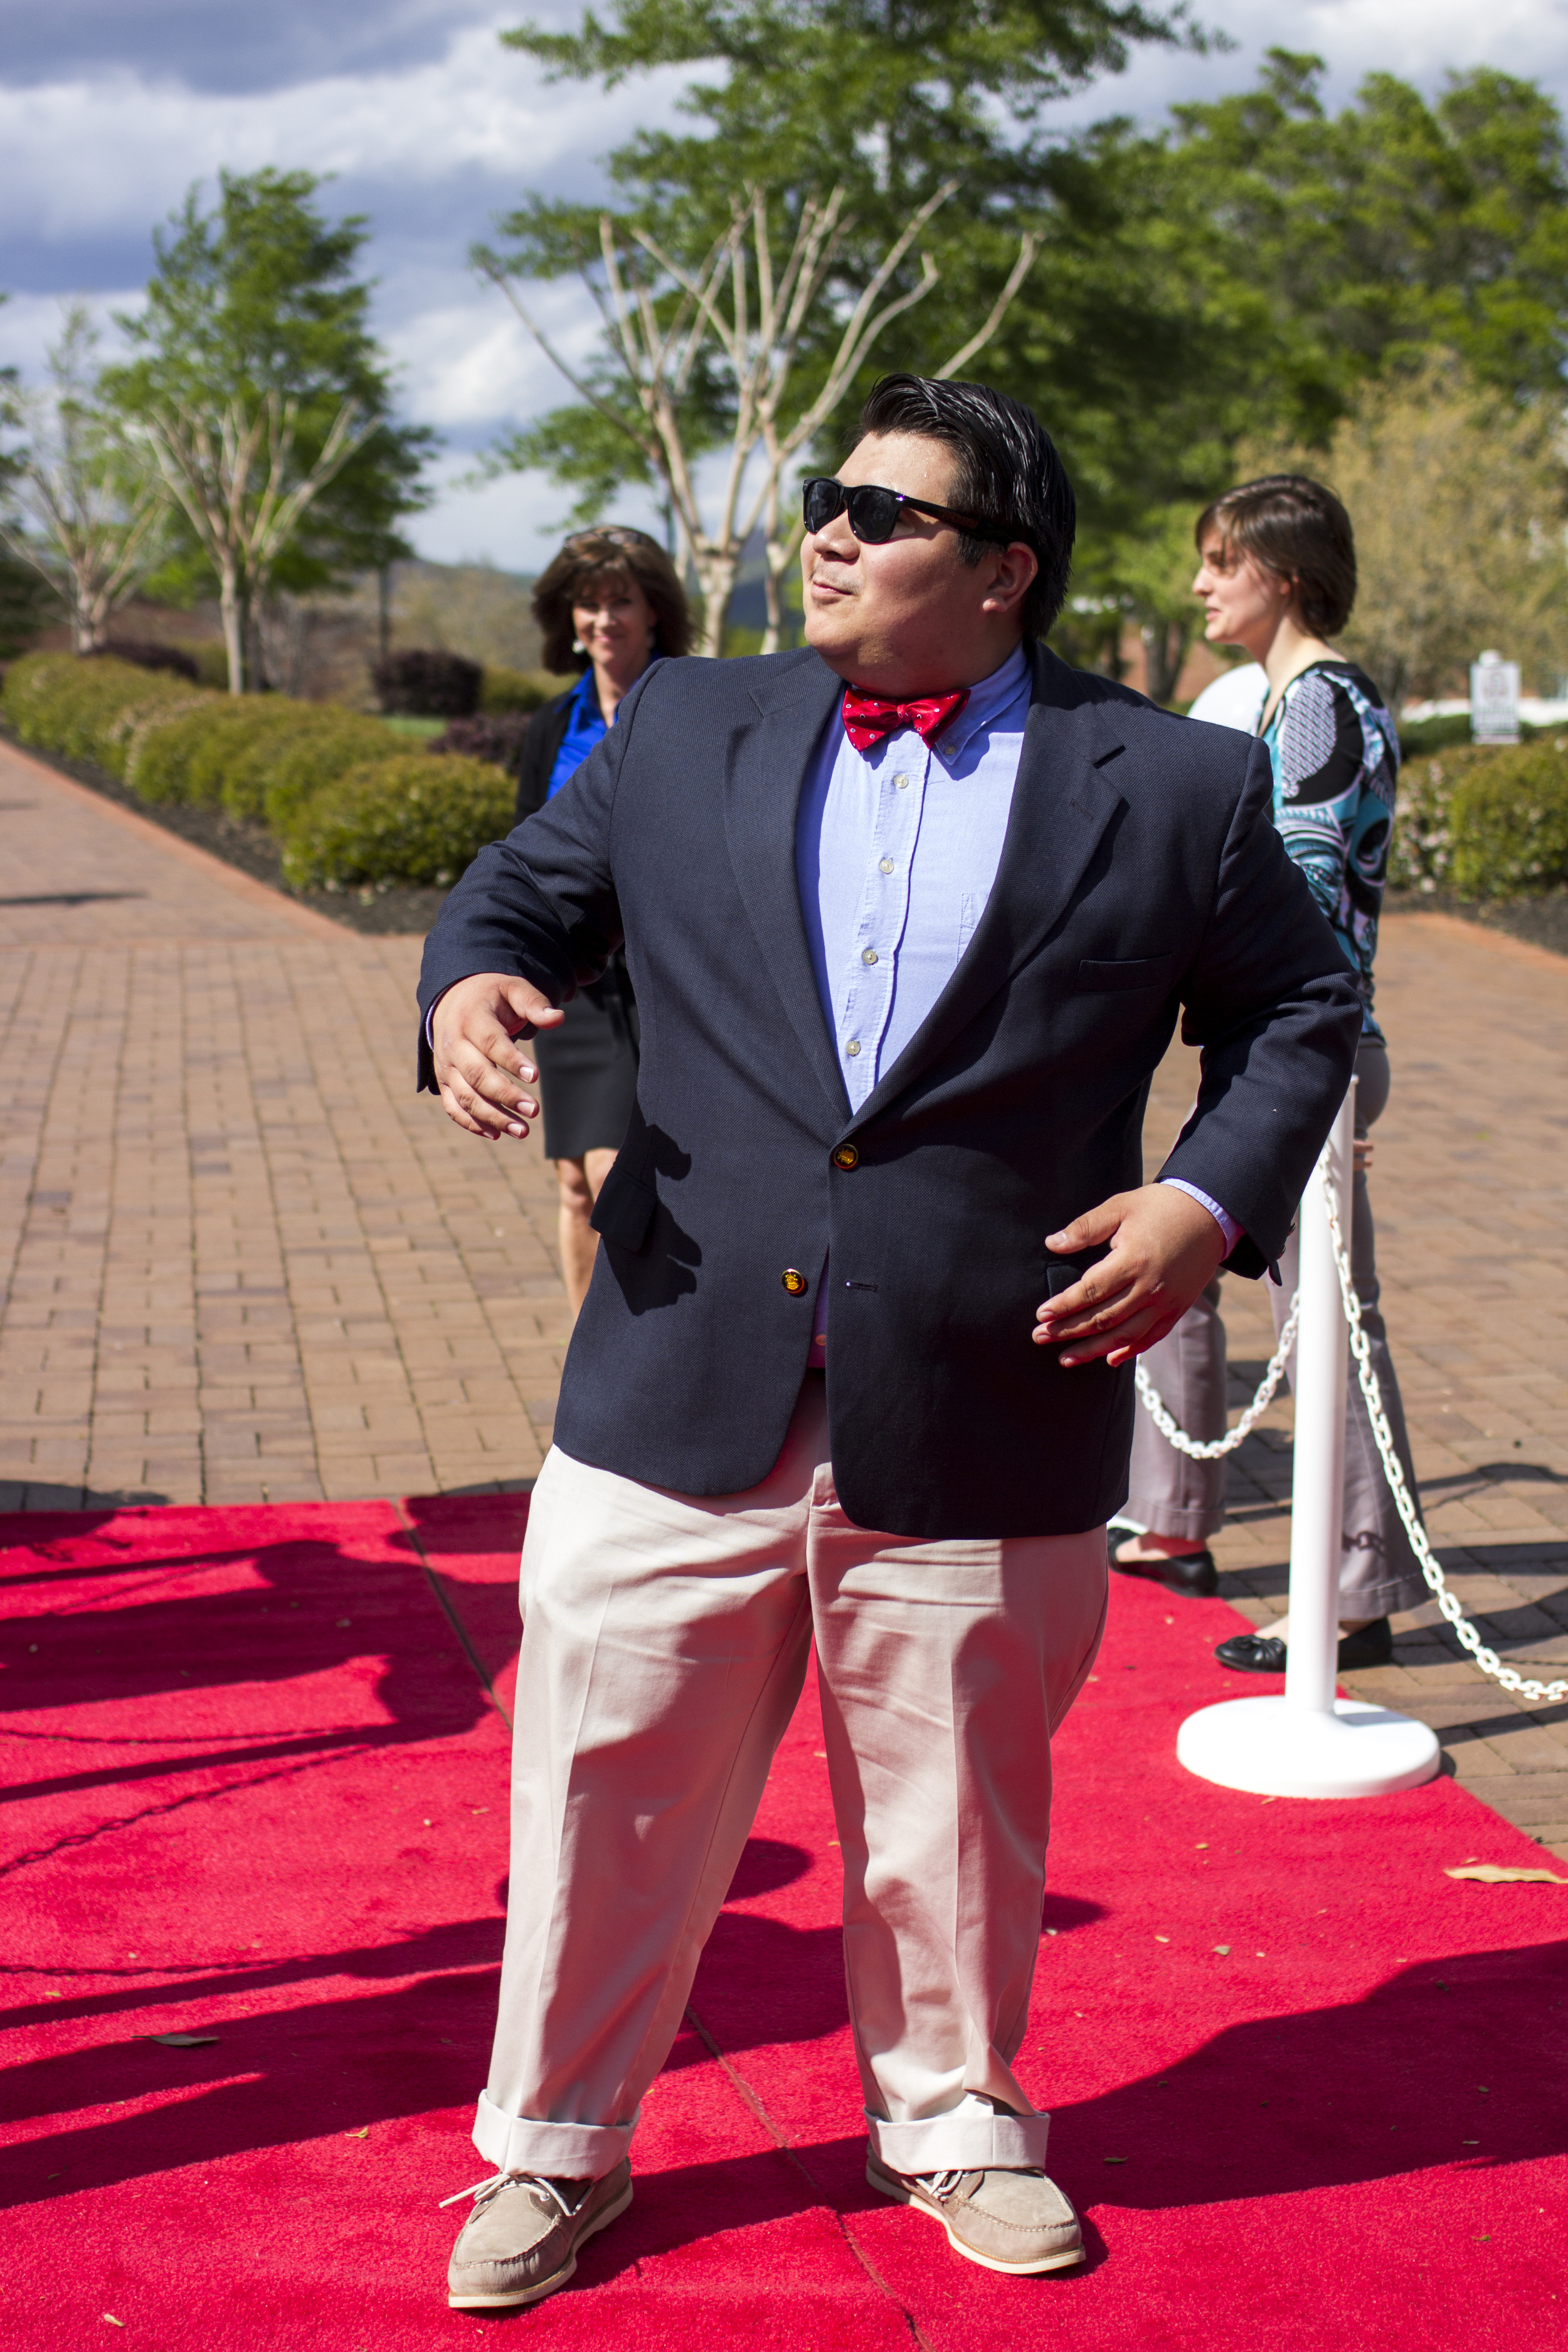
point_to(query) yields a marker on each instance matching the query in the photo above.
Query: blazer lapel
(767, 774)
(1062, 805)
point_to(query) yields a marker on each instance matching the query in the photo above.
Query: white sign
(1494, 699)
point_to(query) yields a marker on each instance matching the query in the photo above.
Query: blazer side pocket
(623, 1210)
(1132, 971)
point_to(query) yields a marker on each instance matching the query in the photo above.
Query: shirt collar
(989, 701)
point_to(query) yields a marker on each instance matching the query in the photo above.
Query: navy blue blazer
(1141, 874)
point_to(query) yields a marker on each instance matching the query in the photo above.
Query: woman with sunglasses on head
(609, 605)
(1277, 576)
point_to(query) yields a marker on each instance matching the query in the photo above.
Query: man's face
(908, 616)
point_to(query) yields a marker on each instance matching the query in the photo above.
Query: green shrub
(1490, 820)
(86, 709)
(318, 755)
(164, 742)
(520, 689)
(1509, 823)
(232, 764)
(411, 818)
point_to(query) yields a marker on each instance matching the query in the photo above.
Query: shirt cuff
(1227, 1225)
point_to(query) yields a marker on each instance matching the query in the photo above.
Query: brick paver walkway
(247, 1264)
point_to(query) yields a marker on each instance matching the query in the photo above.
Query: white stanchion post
(1308, 1743)
(1322, 1375)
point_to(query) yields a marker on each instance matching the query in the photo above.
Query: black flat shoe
(1263, 1654)
(1369, 1645)
(1190, 1571)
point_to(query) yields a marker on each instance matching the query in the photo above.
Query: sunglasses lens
(821, 499)
(873, 514)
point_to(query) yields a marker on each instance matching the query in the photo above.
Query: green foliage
(259, 296)
(166, 744)
(319, 755)
(1509, 823)
(234, 765)
(86, 709)
(1487, 820)
(411, 819)
(518, 690)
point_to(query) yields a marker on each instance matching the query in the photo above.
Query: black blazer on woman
(536, 762)
(536, 765)
(1141, 879)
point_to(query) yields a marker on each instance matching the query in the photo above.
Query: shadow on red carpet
(1308, 2089)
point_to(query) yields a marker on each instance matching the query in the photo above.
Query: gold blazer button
(793, 1280)
(846, 1156)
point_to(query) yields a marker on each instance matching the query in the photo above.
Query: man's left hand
(1165, 1248)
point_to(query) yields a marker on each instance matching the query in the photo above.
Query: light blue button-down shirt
(896, 851)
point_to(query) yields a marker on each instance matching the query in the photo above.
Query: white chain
(1538, 1694)
(1210, 1450)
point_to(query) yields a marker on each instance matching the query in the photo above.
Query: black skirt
(588, 1069)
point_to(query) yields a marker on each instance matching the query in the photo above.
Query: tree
(92, 513)
(699, 353)
(1458, 497)
(1241, 273)
(258, 384)
(878, 151)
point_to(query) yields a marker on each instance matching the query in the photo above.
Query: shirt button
(901, 782)
(793, 1280)
(853, 1046)
(868, 955)
(821, 1340)
(846, 1156)
(885, 867)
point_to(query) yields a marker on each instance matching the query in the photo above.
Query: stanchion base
(1274, 1750)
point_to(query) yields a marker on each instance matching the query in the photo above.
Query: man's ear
(1012, 577)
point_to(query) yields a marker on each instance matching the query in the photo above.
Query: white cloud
(80, 156)
(1421, 40)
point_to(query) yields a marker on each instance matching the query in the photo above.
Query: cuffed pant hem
(970, 2138)
(560, 2151)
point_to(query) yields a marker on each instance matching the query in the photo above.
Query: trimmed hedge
(410, 819)
(318, 755)
(347, 798)
(1487, 820)
(427, 683)
(519, 689)
(86, 708)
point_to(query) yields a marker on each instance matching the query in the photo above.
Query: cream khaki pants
(664, 1644)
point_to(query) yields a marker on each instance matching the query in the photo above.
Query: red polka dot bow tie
(869, 717)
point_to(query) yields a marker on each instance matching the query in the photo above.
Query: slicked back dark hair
(1297, 530)
(1007, 474)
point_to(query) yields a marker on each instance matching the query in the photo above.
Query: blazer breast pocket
(1127, 972)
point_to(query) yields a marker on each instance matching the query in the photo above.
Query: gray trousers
(1172, 1495)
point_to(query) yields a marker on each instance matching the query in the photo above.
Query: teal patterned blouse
(1336, 765)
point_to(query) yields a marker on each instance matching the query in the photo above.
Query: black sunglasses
(874, 512)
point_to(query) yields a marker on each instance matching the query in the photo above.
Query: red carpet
(256, 1790)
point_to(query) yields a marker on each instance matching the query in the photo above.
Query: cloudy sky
(111, 109)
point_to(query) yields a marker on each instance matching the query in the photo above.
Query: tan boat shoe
(520, 2243)
(1013, 2221)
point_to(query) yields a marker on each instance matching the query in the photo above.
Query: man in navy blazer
(911, 916)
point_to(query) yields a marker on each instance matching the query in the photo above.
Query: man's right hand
(480, 1071)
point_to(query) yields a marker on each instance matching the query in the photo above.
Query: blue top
(1336, 766)
(584, 728)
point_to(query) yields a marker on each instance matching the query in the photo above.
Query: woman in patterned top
(1277, 577)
